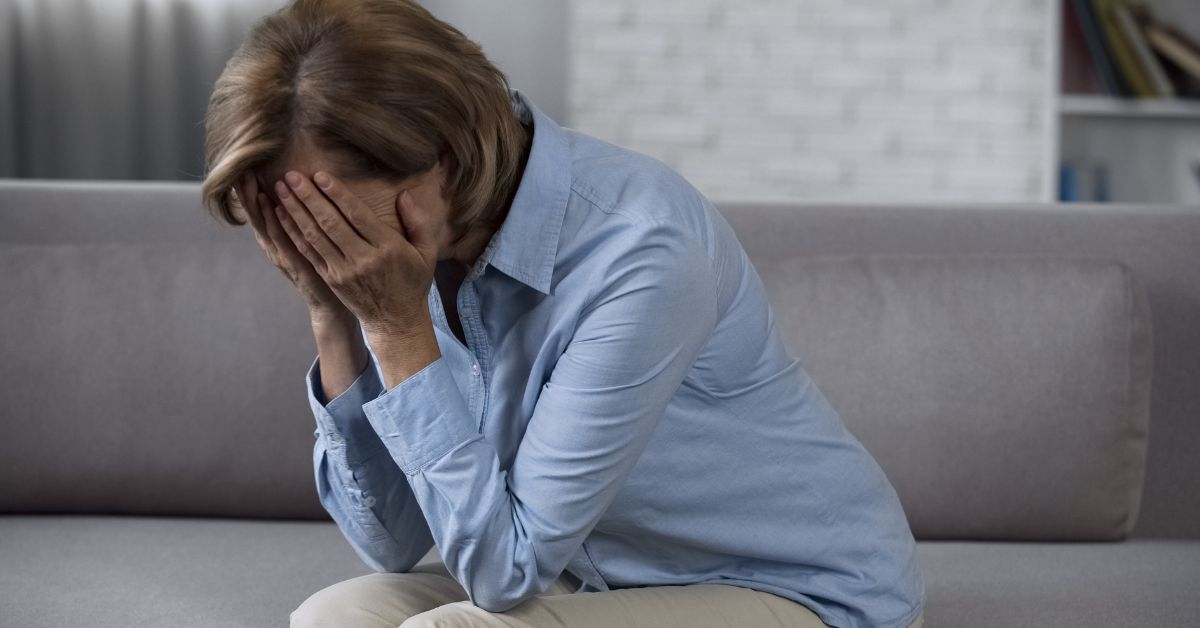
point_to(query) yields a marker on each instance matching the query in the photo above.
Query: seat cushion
(1139, 582)
(121, 571)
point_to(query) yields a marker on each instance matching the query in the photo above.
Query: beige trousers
(428, 596)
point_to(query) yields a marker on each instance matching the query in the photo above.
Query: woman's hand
(322, 303)
(381, 273)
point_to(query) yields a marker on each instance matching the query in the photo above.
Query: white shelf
(1147, 145)
(1109, 106)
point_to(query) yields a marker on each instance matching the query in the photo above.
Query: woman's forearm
(343, 354)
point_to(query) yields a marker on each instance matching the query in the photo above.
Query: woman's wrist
(338, 319)
(342, 350)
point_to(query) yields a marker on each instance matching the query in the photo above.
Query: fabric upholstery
(1006, 398)
(1140, 582)
(240, 376)
(159, 378)
(1159, 244)
(124, 571)
(140, 337)
(110, 572)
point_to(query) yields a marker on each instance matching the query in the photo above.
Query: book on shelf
(1118, 47)
(1114, 83)
(1131, 17)
(1083, 180)
(1176, 47)
(1127, 64)
(1079, 71)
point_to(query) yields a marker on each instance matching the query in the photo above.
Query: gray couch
(1027, 375)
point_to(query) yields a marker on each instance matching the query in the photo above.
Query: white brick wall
(840, 100)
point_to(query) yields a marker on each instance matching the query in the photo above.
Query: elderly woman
(546, 355)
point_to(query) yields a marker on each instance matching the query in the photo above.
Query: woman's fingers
(327, 219)
(254, 202)
(275, 240)
(306, 225)
(289, 238)
(300, 244)
(363, 221)
(248, 193)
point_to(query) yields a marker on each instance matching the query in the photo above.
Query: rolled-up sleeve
(507, 535)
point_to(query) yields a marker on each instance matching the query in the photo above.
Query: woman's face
(377, 194)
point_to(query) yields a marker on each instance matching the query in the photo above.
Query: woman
(544, 357)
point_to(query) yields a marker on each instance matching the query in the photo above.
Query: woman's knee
(461, 614)
(377, 600)
(346, 603)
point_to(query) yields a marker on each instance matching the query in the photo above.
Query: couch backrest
(1006, 397)
(1160, 245)
(154, 361)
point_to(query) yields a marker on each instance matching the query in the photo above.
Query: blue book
(1104, 62)
(1068, 191)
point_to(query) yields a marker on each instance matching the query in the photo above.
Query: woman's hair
(383, 84)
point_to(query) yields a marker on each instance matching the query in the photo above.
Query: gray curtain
(117, 89)
(112, 89)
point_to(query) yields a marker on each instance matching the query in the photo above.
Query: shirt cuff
(342, 418)
(423, 417)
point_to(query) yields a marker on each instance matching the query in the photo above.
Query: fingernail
(293, 179)
(322, 179)
(279, 212)
(282, 190)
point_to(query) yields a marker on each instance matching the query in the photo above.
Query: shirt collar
(525, 246)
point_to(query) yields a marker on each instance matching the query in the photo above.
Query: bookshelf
(1124, 149)
(1098, 105)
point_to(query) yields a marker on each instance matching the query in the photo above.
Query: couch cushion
(1006, 398)
(1140, 582)
(118, 572)
(178, 358)
(156, 378)
(1158, 242)
(189, 400)
(114, 572)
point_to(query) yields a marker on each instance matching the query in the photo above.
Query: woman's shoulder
(620, 180)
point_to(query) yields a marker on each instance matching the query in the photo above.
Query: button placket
(469, 309)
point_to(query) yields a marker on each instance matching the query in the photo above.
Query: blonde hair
(382, 82)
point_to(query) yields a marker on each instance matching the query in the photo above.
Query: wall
(526, 39)
(98, 89)
(107, 89)
(905, 100)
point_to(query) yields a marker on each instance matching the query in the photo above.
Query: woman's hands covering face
(379, 268)
(282, 252)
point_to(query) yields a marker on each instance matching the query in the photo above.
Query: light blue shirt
(624, 409)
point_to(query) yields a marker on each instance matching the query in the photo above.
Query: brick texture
(840, 100)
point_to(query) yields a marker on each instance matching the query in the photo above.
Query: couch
(1028, 375)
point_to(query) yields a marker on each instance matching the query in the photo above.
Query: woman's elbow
(496, 597)
(498, 602)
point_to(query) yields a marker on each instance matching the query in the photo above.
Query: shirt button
(475, 369)
(369, 501)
